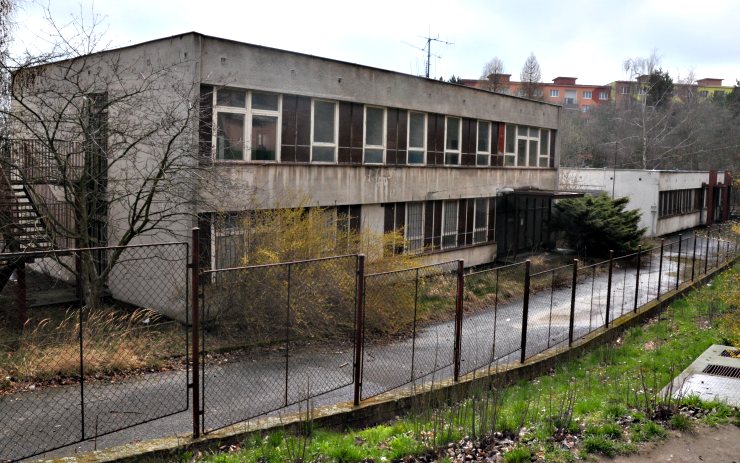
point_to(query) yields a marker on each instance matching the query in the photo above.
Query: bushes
(593, 225)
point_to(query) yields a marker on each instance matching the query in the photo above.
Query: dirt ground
(703, 444)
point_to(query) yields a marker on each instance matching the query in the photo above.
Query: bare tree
(103, 143)
(531, 78)
(493, 74)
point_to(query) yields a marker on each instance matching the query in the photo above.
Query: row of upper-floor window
(572, 95)
(268, 127)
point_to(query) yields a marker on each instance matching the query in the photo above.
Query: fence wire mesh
(493, 316)
(409, 326)
(74, 371)
(275, 335)
(548, 320)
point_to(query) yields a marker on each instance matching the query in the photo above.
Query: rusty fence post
(706, 253)
(716, 255)
(637, 278)
(195, 321)
(660, 267)
(609, 287)
(678, 266)
(525, 310)
(693, 259)
(573, 302)
(459, 318)
(359, 326)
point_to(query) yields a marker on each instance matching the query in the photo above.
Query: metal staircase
(22, 229)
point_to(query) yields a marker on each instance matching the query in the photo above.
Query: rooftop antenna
(428, 49)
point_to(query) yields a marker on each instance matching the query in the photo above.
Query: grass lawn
(605, 403)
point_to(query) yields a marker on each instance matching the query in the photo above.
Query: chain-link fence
(493, 316)
(74, 370)
(280, 334)
(275, 335)
(410, 326)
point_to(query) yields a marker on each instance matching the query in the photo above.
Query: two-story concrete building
(465, 173)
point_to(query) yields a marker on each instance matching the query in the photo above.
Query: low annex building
(670, 201)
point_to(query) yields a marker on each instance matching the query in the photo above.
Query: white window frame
(545, 134)
(247, 112)
(365, 146)
(417, 237)
(486, 152)
(554, 93)
(424, 140)
(443, 231)
(517, 137)
(480, 228)
(603, 96)
(588, 94)
(336, 131)
(458, 152)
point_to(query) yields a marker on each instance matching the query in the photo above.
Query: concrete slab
(693, 380)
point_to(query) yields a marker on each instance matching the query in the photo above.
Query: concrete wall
(269, 186)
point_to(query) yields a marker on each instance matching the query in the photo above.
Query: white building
(670, 201)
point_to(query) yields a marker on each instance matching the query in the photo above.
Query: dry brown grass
(113, 342)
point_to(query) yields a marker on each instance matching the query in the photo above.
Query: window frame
(365, 145)
(457, 152)
(418, 237)
(409, 148)
(314, 143)
(443, 230)
(248, 112)
(603, 96)
(486, 153)
(528, 139)
(588, 95)
(554, 93)
(480, 228)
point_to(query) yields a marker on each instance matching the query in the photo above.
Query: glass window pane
(416, 157)
(414, 223)
(535, 133)
(484, 139)
(509, 160)
(480, 233)
(230, 136)
(449, 231)
(416, 130)
(373, 156)
(323, 154)
(483, 159)
(533, 153)
(264, 137)
(323, 121)
(266, 101)
(522, 131)
(374, 122)
(453, 133)
(521, 153)
(230, 97)
(510, 137)
(545, 145)
(451, 158)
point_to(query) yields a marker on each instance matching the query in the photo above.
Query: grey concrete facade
(503, 143)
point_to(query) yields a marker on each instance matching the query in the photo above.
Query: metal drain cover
(711, 376)
(722, 370)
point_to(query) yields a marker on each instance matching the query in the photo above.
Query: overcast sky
(578, 38)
